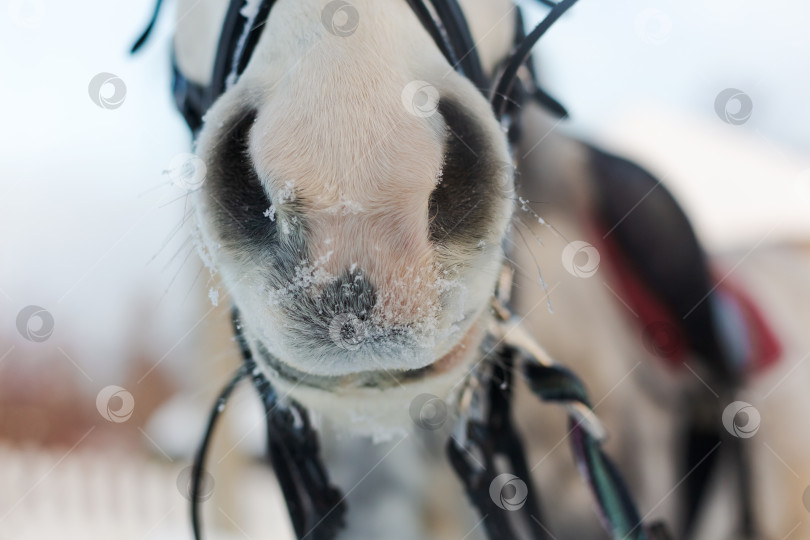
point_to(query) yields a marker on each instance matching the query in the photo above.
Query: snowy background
(86, 214)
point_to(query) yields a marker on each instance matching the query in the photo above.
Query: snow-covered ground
(90, 495)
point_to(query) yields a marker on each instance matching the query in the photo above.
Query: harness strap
(241, 30)
(435, 29)
(317, 509)
(237, 40)
(497, 436)
(617, 510)
(189, 98)
(461, 40)
(199, 459)
(552, 382)
(541, 96)
(503, 87)
(148, 30)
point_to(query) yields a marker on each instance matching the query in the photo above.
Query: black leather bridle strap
(540, 95)
(148, 30)
(518, 57)
(435, 29)
(317, 508)
(237, 40)
(495, 436)
(455, 24)
(197, 469)
(448, 28)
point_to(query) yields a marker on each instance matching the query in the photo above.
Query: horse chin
(376, 403)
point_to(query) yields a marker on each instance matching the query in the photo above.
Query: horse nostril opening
(347, 331)
(352, 330)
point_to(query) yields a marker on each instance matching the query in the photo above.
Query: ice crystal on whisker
(287, 193)
(270, 213)
(213, 295)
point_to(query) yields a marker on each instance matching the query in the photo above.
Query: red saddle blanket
(751, 343)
